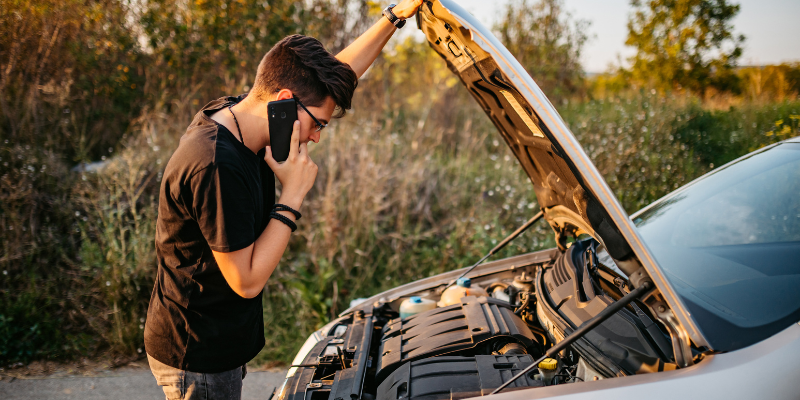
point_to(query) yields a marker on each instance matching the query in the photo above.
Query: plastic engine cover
(449, 329)
(455, 377)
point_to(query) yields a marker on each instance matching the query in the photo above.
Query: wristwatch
(397, 22)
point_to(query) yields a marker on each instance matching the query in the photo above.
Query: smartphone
(282, 114)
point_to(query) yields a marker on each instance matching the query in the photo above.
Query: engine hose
(540, 333)
(512, 349)
(526, 299)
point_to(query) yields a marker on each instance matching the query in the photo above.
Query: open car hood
(571, 192)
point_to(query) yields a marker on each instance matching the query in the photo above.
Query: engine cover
(454, 328)
(448, 378)
(631, 341)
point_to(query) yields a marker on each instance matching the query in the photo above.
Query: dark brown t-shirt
(216, 194)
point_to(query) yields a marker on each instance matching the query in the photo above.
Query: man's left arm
(363, 51)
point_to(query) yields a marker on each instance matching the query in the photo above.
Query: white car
(695, 296)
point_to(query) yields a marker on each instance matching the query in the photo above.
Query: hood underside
(571, 192)
(569, 205)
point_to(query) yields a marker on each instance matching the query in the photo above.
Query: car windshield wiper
(582, 330)
(500, 246)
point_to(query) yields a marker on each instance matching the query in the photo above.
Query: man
(219, 233)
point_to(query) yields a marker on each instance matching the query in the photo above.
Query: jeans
(186, 385)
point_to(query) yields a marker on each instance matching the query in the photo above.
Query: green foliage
(21, 340)
(69, 81)
(35, 211)
(214, 47)
(716, 137)
(685, 44)
(785, 129)
(117, 252)
(548, 43)
(646, 145)
(631, 141)
(37, 233)
(212, 43)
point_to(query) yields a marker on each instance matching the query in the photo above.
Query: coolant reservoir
(463, 287)
(415, 305)
(548, 368)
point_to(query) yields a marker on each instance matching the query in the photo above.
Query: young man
(219, 233)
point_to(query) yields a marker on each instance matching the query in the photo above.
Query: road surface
(128, 384)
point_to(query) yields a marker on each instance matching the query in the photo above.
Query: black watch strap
(397, 22)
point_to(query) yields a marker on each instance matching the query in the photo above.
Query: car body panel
(570, 190)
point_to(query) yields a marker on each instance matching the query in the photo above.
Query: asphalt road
(132, 384)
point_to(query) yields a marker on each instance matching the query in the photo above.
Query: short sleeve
(223, 208)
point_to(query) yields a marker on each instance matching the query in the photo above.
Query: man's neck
(252, 117)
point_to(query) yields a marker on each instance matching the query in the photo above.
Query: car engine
(453, 351)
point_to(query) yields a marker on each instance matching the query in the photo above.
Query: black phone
(282, 114)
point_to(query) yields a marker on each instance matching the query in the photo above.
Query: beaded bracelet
(283, 207)
(284, 219)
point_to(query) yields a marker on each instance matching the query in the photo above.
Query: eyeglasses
(320, 125)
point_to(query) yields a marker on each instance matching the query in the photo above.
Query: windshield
(730, 246)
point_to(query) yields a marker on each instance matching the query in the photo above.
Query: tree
(685, 44)
(548, 43)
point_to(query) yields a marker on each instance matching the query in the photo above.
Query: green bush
(646, 144)
(37, 238)
(32, 326)
(716, 137)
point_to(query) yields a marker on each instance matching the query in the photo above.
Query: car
(696, 296)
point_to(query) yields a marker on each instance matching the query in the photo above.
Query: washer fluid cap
(464, 282)
(548, 364)
(416, 299)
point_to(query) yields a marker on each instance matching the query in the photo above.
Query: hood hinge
(681, 344)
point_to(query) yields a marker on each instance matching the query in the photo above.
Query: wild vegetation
(415, 181)
(685, 44)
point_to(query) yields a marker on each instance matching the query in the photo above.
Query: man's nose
(315, 136)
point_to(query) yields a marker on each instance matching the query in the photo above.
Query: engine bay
(499, 324)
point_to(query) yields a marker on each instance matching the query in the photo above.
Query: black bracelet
(284, 219)
(283, 207)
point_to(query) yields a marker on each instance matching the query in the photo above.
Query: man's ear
(284, 94)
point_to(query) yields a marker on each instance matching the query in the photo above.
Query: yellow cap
(548, 364)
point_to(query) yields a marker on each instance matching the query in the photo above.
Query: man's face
(308, 128)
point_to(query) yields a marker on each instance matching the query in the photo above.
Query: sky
(772, 28)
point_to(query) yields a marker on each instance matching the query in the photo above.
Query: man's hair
(301, 64)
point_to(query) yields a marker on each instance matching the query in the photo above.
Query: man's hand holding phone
(297, 174)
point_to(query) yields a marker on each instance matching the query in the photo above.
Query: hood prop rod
(582, 330)
(499, 246)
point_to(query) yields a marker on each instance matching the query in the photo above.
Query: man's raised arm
(365, 49)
